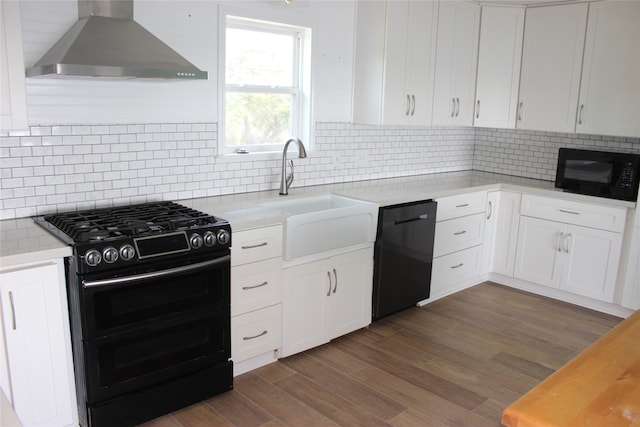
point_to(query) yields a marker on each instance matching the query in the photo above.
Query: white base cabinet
(631, 293)
(35, 324)
(580, 259)
(325, 299)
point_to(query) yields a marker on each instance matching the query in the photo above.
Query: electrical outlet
(361, 160)
(336, 161)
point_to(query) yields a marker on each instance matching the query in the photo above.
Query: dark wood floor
(456, 362)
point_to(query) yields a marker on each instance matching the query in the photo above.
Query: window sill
(235, 157)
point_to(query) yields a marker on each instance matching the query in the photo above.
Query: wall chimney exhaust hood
(107, 42)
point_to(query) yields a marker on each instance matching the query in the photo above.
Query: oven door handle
(155, 274)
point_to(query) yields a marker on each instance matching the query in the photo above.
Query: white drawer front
(256, 245)
(457, 234)
(586, 214)
(256, 285)
(461, 205)
(256, 333)
(450, 270)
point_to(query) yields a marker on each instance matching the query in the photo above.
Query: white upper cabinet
(13, 101)
(551, 66)
(394, 62)
(610, 88)
(456, 61)
(500, 52)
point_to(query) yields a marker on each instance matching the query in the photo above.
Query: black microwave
(599, 173)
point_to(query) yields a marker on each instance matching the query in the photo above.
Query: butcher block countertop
(598, 388)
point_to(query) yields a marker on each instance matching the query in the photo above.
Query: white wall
(191, 28)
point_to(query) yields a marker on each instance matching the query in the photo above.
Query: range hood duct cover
(107, 42)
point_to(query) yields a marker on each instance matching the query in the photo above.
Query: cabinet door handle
(13, 311)
(580, 114)
(453, 107)
(520, 111)
(457, 106)
(569, 212)
(261, 334)
(406, 113)
(457, 266)
(255, 246)
(335, 275)
(463, 205)
(559, 240)
(478, 109)
(490, 210)
(413, 104)
(246, 288)
(460, 233)
(330, 285)
(567, 242)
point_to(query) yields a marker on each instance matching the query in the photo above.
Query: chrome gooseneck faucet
(285, 181)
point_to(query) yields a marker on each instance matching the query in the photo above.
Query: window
(266, 96)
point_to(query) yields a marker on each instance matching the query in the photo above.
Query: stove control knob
(92, 258)
(196, 241)
(127, 252)
(223, 237)
(209, 238)
(110, 255)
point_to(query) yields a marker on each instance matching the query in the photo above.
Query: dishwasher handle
(417, 218)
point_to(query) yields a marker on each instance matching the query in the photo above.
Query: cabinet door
(499, 56)
(35, 318)
(349, 306)
(506, 214)
(631, 294)
(456, 61)
(305, 290)
(610, 87)
(551, 66)
(539, 256)
(396, 104)
(591, 259)
(13, 101)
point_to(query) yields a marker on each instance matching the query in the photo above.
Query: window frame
(300, 90)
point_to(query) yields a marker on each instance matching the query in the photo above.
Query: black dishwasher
(403, 256)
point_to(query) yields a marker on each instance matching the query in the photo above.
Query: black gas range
(149, 300)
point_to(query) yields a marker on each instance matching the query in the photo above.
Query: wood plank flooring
(457, 362)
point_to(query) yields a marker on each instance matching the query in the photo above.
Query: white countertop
(22, 241)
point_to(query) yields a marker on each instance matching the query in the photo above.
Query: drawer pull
(463, 205)
(263, 333)
(457, 266)
(459, 233)
(246, 288)
(569, 212)
(255, 246)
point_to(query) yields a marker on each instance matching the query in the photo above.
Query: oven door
(143, 329)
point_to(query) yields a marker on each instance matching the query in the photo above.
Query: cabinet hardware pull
(462, 206)
(418, 218)
(559, 241)
(246, 288)
(520, 111)
(453, 107)
(569, 212)
(413, 104)
(459, 233)
(13, 311)
(567, 241)
(329, 291)
(457, 106)
(490, 210)
(335, 275)
(478, 110)
(255, 246)
(580, 114)
(263, 333)
(406, 113)
(457, 266)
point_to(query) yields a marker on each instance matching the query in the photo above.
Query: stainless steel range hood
(107, 42)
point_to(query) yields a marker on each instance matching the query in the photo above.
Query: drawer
(256, 244)
(571, 212)
(256, 333)
(461, 205)
(256, 285)
(450, 271)
(457, 234)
